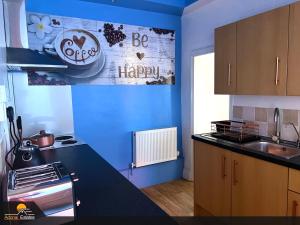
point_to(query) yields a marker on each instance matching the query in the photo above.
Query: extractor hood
(19, 56)
(20, 59)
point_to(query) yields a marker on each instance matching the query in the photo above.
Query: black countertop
(239, 148)
(102, 190)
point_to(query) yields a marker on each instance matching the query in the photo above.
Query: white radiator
(154, 146)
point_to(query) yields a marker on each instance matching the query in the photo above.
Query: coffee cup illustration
(78, 48)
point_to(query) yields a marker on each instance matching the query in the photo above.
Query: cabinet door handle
(277, 71)
(235, 164)
(229, 75)
(224, 167)
(294, 210)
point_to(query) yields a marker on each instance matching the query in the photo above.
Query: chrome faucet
(298, 139)
(276, 137)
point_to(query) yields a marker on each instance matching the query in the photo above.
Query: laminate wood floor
(175, 198)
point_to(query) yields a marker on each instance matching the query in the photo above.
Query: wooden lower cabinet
(293, 204)
(259, 188)
(294, 180)
(293, 193)
(212, 190)
(227, 183)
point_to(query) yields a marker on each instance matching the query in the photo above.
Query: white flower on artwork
(40, 26)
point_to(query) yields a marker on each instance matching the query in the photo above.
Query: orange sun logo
(21, 207)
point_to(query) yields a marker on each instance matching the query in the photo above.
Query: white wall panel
(43, 107)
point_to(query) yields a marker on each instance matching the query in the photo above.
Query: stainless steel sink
(274, 149)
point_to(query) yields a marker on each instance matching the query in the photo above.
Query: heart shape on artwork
(140, 55)
(79, 41)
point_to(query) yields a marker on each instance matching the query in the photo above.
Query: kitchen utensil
(10, 114)
(19, 127)
(42, 139)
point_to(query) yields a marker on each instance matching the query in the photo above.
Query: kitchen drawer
(294, 180)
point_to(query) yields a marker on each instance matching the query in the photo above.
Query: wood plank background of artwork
(129, 54)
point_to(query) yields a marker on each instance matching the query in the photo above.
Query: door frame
(190, 132)
(194, 53)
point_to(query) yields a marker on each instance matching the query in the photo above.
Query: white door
(207, 106)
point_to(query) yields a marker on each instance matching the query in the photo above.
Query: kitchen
(109, 116)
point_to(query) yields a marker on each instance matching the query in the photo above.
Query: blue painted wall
(173, 7)
(188, 2)
(179, 3)
(105, 116)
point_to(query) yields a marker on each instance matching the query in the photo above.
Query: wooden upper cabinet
(293, 80)
(225, 59)
(259, 188)
(262, 51)
(212, 182)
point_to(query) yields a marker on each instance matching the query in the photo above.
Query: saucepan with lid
(42, 139)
